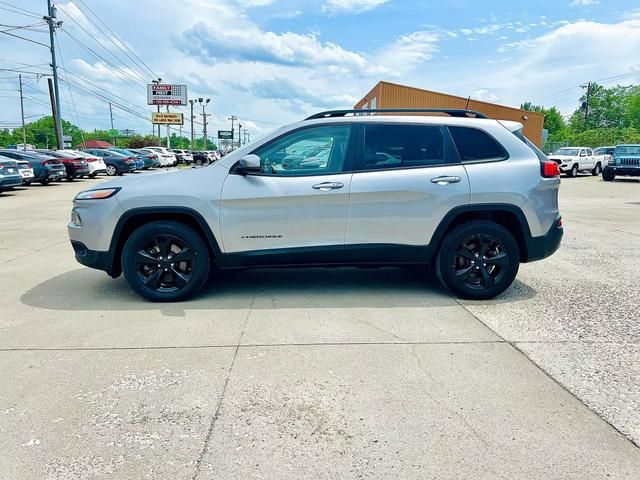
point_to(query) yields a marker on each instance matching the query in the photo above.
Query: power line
(73, 103)
(24, 38)
(14, 9)
(140, 77)
(141, 62)
(117, 71)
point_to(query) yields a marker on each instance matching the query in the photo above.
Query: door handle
(445, 180)
(326, 186)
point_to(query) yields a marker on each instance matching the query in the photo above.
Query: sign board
(167, 118)
(114, 133)
(161, 94)
(225, 134)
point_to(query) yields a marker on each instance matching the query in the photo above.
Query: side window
(475, 145)
(402, 146)
(589, 152)
(311, 151)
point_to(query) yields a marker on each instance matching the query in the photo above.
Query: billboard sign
(164, 94)
(225, 134)
(167, 118)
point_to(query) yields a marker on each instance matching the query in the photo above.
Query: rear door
(406, 178)
(300, 197)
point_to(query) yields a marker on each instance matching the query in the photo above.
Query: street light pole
(233, 118)
(239, 134)
(192, 132)
(204, 102)
(24, 132)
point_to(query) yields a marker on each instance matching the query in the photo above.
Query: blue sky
(273, 61)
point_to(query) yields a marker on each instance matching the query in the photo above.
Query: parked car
(26, 171)
(131, 154)
(626, 163)
(116, 163)
(201, 158)
(167, 157)
(46, 169)
(9, 175)
(471, 196)
(75, 166)
(183, 156)
(96, 164)
(149, 157)
(576, 159)
(604, 155)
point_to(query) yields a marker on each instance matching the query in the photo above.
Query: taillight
(550, 169)
(44, 162)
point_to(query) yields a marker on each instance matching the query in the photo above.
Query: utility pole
(54, 112)
(233, 118)
(239, 134)
(24, 132)
(168, 142)
(193, 141)
(111, 115)
(53, 25)
(586, 105)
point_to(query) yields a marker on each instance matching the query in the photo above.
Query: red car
(75, 167)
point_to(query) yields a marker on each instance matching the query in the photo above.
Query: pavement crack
(216, 415)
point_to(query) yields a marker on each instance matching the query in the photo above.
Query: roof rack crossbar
(453, 112)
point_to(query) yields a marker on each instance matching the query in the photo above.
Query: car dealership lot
(327, 373)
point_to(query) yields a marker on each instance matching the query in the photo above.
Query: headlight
(97, 194)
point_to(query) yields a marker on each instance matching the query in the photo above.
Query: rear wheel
(478, 260)
(92, 175)
(46, 181)
(608, 175)
(596, 170)
(165, 261)
(70, 178)
(111, 170)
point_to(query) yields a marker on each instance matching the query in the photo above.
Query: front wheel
(165, 261)
(608, 175)
(573, 172)
(596, 170)
(478, 260)
(44, 182)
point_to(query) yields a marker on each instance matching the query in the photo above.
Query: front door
(407, 177)
(300, 197)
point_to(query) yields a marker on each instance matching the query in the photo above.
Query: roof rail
(452, 112)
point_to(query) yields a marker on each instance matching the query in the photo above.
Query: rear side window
(539, 153)
(402, 146)
(475, 145)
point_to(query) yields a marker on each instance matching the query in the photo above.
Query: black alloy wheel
(478, 260)
(165, 261)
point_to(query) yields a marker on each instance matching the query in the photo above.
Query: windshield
(628, 150)
(566, 151)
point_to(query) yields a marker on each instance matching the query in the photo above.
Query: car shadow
(86, 289)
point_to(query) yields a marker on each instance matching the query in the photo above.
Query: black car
(116, 163)
(46, 169)
(76, 167)
(200, 158)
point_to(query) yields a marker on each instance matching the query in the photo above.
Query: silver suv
(449, 188)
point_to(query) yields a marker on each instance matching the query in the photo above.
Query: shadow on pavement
(85, 289)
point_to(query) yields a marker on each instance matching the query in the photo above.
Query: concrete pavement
(320, 373)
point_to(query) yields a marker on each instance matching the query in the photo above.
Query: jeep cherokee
(468, 195)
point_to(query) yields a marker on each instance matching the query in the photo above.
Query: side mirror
(249, 164)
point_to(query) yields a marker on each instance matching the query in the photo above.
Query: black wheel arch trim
(116, 243)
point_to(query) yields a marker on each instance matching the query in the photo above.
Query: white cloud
(408, 52)
(255, 3)
(583, 3)
(351, 6)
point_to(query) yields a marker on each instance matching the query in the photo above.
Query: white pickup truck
(572, 160)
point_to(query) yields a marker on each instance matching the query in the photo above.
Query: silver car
(470, 196)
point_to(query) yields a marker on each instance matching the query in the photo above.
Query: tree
(553, 120)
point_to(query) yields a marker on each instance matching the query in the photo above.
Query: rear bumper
(545, 245)
(93, 258)
(10, 181)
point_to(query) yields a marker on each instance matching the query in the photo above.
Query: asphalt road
(337, 373)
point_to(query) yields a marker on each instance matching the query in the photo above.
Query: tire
(469, 243)
(45, 182)
(608, 175)
(111, 170)
(172, 281)
(92, 175)
(596, 170)
(573, 172)
(70, 178)
(27, 183)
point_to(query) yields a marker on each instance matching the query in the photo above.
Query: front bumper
(545, 245)
(625, 171)
(93, 258)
